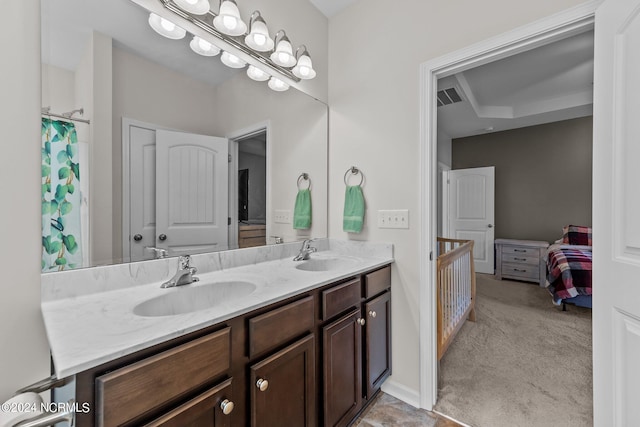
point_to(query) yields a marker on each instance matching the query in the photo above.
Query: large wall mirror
(170, 148)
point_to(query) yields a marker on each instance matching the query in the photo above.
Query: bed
(569, 262)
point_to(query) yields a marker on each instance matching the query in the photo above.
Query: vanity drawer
(280, 325)
(339, 298)
(523, 271)
(377, 282)
(145, 386)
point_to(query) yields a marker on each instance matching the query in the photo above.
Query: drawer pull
(226, 406)
(520, 270)
(519, 259)
(372, 314)
(262, 384)
(361, 321)
(520, 250)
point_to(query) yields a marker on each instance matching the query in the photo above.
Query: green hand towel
(353, 209)
(302, 210)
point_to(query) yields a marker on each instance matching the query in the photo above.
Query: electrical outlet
(282, 216)
(393, 219)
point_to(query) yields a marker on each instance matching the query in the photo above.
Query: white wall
(297, 143)
(24, 353)
(374, 55)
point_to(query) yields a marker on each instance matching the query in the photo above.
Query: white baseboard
(404, 393)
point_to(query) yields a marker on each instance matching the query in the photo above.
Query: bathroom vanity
(307, 345)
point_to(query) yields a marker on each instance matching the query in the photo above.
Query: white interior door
(142, 184)
(191, 192)
(616, 215)
(468, 203)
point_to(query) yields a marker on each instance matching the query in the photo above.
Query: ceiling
(543, 85)
(331, 7)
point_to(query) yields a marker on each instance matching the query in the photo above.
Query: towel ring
(304, 177)
(354, 170)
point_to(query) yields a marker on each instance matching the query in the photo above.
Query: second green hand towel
(353, 209)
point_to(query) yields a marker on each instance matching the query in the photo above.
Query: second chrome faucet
(184, 275)
(305, 251)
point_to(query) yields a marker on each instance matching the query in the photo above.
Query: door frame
(555, 27)
(126, 177)
(234, 138)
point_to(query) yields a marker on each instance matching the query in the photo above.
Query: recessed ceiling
(543, 85)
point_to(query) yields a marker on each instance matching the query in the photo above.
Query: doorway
(571, 22)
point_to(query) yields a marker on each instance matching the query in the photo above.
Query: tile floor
(387, 411)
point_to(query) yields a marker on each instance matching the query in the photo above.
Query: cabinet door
(342, 367)
(283, 387)
(210, 409)
(377, 342)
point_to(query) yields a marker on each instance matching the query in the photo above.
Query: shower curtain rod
(45, 112)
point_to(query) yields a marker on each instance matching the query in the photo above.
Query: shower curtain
(60, 197)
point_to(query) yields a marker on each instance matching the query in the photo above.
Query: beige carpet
(523, 363)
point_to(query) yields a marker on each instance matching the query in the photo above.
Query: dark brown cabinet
(356, 347)
(283, 387)
(377, 338)
(209, 409)
(314, 359)
(342, 372)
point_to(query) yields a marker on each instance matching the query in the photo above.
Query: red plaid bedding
(569, 272)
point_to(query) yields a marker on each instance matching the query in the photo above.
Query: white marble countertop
(86, 329)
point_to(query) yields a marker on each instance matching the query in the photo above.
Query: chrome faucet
(184, 275)
(305, 251)
(157, 252)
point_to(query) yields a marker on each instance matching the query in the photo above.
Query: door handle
(162, 237)
(490, 225)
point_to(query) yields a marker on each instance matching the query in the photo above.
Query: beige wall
(543, 176)
(24, 353)
(375, 50)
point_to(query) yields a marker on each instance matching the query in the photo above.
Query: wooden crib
(456, 289)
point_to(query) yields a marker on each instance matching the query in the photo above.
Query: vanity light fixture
(304, 67)
(258, 37)
(228, 20)
(197, 7)
(277, 84)
(166, 28)
(232, 61)
(203, 47)
(268, 57)
(257, 74)
(283, 55)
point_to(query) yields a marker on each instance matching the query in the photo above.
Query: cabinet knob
(361, 321)
(137, 237)
(372, 314)
(226, 406)
(262, 384)
(162, 237)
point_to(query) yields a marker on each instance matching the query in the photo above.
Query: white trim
(233, 137)
(561, 25)
(404, 393)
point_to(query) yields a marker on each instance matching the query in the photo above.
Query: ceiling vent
(448, 96)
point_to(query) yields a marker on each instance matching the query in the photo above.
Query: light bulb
(277, 85)
(230, 22)
(283, 56)
(304, 71)
(257, 74)
(192, 2)
(203, 44)
(232, 61)
(167, 25)
(259, 39)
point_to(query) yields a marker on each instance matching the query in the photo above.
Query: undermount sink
(324, 264)
(187, 299)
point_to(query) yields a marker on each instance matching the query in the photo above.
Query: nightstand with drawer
(521, 260)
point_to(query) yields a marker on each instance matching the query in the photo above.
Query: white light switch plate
(282, 216)
(398, 218)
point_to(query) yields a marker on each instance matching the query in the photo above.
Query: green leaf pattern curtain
(60, 196)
